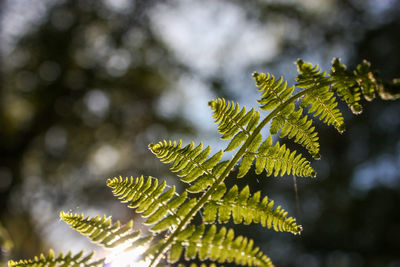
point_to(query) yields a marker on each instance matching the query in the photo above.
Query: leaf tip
(317, 156)
(341, 128)
(356, 109)
(213, 104)
(313, 174)
(153, 147)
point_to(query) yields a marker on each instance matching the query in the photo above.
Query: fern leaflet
(322, 100)
(273, 93)
(366, 80)
(346, 86)
(298, 127)
(279, 160)
(242, 207)
(190, 163)
(148, 198)
(103, 231)
(221, 246)
(233, 124)
(60, 261)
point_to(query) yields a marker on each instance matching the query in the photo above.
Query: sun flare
(129, 258)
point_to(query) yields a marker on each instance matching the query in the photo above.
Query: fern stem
(202, 200)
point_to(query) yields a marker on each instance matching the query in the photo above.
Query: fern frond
(148, 198)
(102, 230)
(322, 100)
(349, 85)
(61, 261)
(346, 86)
(279, 160)
(273, 93)
(366, 80)
(220, 246)
(233, 124)
(247, 208)
(295, 126)
(299, 128)
(190, 162)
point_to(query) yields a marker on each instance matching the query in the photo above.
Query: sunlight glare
(130, 258)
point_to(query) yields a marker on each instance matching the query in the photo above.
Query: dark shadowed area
(87, 85)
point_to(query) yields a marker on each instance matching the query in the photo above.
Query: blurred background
(87, 85)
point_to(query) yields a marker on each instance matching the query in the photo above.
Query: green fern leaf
(245, 208)
(293, 125)
(201, 184)
(175, 252)
(346, 86)
(273, 93)
(322, 100)
(221, 246)
(233, 124)
(371, 85)
(279, 160)
(189, 162)
(299, 128)
(60, 261)
(148, 198)
(102, 230)
(366, 80)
